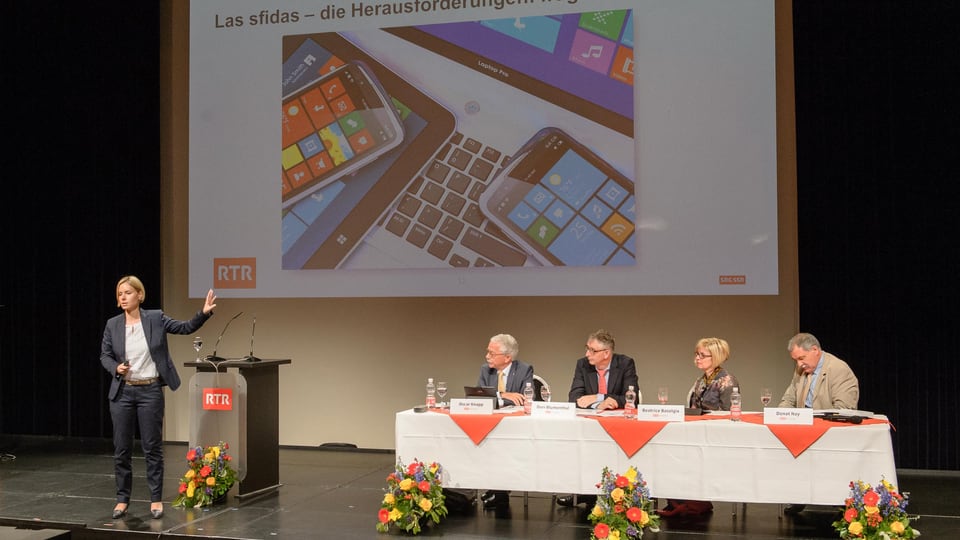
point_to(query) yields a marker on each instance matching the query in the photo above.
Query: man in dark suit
(510, 377)
(600, 382)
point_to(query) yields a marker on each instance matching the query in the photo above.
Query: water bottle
(735, 402)
(528, 398)
(431, 394)
(629, 407)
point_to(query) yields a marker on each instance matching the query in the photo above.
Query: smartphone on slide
(333, 126)
(564, 203)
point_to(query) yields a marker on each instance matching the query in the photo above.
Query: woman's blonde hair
(134, 282)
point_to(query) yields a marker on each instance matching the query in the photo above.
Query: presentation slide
(482, 148)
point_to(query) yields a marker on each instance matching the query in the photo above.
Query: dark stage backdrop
(876, 142)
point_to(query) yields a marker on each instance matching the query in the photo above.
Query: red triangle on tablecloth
(630, 434)
(477, 426)
(797, 438)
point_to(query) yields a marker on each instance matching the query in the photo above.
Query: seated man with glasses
(600, 382)
(509, 376)
(820, 381)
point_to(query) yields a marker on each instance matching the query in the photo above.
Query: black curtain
(876, 151)
(82, 184)
(876, 138)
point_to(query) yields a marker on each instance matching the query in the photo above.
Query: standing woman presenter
(134, 352)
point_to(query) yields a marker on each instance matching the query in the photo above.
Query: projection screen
(482, 148)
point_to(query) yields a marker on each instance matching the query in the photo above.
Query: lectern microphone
(213, 357)
(250, 357)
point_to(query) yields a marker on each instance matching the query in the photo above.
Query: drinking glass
(197, 343)
(442, 392)
(545, 392)
(663, 395)
(765, 396)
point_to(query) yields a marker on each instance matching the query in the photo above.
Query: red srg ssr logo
(217, 399)
(733, 280)
(235, 273)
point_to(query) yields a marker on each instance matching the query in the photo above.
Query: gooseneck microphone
(213, 357)
(250, 357)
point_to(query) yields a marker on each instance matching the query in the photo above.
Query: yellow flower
(389, 498)
(597, 511)
(617, 494)
(211, 481)
(407, 484)
(395, 514)
(215, 451)
(426, 504)
(631, 474)
(208, 456)
(190, 474)
(614, 534)
(644, 518)
(855, 528)
(897, 527)
(871, 509)
(190, 490)
(433, 468)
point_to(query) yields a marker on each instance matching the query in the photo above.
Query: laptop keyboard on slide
(440, 214)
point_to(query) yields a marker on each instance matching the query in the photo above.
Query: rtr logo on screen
(235, 273)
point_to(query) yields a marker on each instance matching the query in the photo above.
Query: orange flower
(383, 515)
(850, 514)
(870, 498)
(601, 530)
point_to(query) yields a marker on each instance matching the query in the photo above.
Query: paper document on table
(509, 409)
(594, 412)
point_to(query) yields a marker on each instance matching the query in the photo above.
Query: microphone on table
(250, 357)
(213, 357)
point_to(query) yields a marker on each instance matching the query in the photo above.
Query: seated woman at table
(710, 392)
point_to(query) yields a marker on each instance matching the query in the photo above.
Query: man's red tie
(602, 380)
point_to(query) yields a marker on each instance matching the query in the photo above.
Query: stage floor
(64, 488)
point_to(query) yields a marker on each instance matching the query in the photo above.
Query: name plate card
(786, 415)
(660, 413)
(471, 406)
(554, 409)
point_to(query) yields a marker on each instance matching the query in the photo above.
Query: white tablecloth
(716, 460)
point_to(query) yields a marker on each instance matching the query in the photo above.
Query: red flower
(871, 498)
(601, 530)
(634, 514)
(182, 488)
(412, 468)
(205, 471)
(874, 519)
(850, 514)
(622, 481)
(383, 515)
(226, 446)
(424, 486)
(391, 476)
(618, 508)
(192, 454)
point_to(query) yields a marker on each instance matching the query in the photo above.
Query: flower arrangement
(209, 476)
(413, 493)
(875, 513)
(623, 507)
